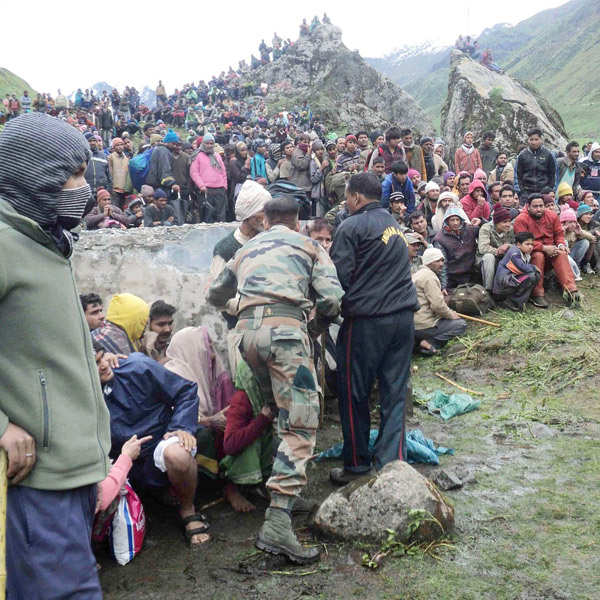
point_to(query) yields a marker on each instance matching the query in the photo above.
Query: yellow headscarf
(131, 314)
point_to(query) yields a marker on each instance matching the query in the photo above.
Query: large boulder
(480, 100)
(395, 498)
(339, 86)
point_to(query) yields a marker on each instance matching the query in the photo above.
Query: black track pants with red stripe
(370, 348)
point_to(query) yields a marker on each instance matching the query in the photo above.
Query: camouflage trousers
(278, 351)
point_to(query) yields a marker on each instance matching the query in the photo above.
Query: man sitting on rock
(494, 240)
(435, 322)
(458, 242)
(145, 399)
(503, 171)
(549, 249)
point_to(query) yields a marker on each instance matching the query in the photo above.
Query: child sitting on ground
(515, 277)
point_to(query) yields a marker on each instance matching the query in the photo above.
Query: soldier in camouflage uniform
(279, 275)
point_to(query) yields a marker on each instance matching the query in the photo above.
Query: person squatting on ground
(275, 274)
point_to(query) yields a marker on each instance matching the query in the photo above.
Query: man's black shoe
(539, 301)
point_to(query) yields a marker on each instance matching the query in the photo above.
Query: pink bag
(128, 526)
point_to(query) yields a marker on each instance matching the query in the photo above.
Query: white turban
(250, 200)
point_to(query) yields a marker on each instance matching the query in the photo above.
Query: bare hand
(454, 315)
(186, 440)
(20, 447)
(219, 420)
(176, 188)
(266, 411)
(475, 222)
(502, 249)
(107, 210)
(132, 447)
(113, 359)
(203, 189)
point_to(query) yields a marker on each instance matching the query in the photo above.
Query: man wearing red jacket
(475, 204)
(549, 249)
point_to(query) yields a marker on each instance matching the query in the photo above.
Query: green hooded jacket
(49, 382)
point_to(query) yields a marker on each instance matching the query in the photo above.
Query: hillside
(13, 84)
(556, 50)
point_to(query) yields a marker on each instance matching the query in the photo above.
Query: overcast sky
(76, 44)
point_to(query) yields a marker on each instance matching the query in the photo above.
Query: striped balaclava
(38, 153)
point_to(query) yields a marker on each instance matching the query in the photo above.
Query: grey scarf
(214, 163)
(38, 153)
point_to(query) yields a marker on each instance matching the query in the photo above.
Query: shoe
(587, 269)
(276, 536)
(539, 301)
(339, 476)
(512, 305)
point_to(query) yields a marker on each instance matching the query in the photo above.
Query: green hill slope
(556, 50)
(13, 84)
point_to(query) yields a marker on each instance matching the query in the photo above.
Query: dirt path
(527, 525)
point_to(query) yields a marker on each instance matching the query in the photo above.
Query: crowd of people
(348, 252)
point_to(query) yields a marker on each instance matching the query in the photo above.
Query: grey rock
(366, 508)
(480, 100)
(340, 87)
(539, 430)
(446, 479)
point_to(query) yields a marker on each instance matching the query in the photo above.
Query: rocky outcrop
(339, 86)
(393, 499)
(481, 100)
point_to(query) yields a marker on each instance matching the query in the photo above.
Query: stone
(481, 100)
(342, 90)
(540, 430)
(168, 263)
(446, 479)
(366, 508)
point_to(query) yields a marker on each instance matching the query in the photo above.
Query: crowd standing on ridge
(393, 229)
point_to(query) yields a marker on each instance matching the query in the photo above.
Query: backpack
(282, 187)
(139, 166)
(470, 299)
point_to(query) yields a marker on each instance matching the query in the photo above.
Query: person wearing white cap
(429, 204)
(249, 212)
(435, 322)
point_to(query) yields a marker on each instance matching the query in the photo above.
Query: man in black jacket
(376, 339)
(535, 168)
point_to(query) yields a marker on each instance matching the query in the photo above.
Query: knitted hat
(583, 209)
(453, 197)
(102, 194)
(147, 190)
(412, 172)
(479, 174)
(564, 189)
(431, 255)
(396, 197)
(431, 186)
(251, 200)
(425, 140)
(447, 176)
(501, 214)
(568, 215)
(159, 193)
(350, 138)
(171, 137)
(208, 137)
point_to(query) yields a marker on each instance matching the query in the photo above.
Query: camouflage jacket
(280, 266)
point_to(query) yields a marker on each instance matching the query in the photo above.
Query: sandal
(190, 533)
(426, 351)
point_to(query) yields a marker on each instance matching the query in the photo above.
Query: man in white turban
(249, 212)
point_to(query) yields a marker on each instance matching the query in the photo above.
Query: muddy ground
(527, 522)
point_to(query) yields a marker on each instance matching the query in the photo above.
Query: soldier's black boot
(276, 536)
